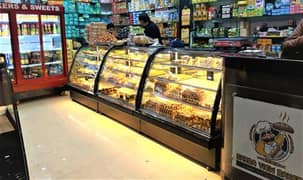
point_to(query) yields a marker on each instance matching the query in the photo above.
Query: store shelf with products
(39, 59)
(79, 14)
(238, 19)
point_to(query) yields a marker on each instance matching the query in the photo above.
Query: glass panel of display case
(5, 43)
(52, 44)
(29, 45)
(181, 88)
(86, 65)
(122, 73)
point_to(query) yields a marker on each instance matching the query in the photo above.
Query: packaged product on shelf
(96, 32)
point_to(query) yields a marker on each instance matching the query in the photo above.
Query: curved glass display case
(86, 66)
(185, 90)
(121, 74)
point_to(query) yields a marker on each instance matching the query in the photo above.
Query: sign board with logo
(267, 139)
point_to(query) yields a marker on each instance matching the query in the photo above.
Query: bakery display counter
(170, 95)
(186, 97)
(119, 82)
(84, 74)
(122, 73)
(185, 93)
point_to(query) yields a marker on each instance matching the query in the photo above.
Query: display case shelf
(159, 117)
(189, 85)
(203, 108)
(192, 66)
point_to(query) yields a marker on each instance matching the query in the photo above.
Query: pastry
(108, 91)
(175, 92)
(193, 96)
(161, 86)
(152, 105)
(126, 94)
(169, 110)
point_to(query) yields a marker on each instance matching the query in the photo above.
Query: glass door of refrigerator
(120, 78)
(181, 88)
(52, 44)
(29, 46)
(5, 44)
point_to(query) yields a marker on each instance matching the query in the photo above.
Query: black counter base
(203, 150)
(201, 153)
(84, 99)
(196, 152)
(121, 116)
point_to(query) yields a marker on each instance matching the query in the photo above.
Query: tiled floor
(65, 140)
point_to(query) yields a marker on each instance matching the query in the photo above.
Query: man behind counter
(150, 29)
(292, 47)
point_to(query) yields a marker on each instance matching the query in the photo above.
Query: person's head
(110, 27)
(144, 19)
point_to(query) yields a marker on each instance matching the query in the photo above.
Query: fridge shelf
(30, 65)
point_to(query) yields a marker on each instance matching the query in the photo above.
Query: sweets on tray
(193, 96)
(185, 116)
(126, 94)
(202, 121)
(169, 110)
(175, 92)
(161, 86)
(109, 91)
(152, 105)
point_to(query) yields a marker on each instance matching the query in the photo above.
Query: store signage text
(32, 7)
(255, 164)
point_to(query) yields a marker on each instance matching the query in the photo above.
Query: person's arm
(296, 38)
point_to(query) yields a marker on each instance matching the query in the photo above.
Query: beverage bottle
(45, 28)
(49, 28)
(19, 29)
(24, 29)
(33, 29)
(54, 28)
(58, 29)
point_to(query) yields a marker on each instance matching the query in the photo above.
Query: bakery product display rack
(84, 73)
(170, 95)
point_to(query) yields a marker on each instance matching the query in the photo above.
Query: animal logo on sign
(273, 140)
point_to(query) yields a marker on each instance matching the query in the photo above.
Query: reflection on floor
(65, 140)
